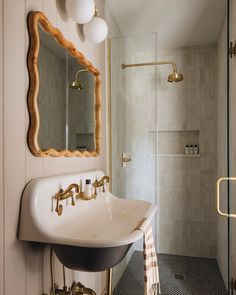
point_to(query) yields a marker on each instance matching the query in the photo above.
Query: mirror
(64, 95)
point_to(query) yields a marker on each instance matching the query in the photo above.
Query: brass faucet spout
(63, 195)
(101, 183)
(72, 186)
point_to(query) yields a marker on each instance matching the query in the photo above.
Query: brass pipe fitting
(82, 196)
(109, 282)
(81, 289)
(63, 195)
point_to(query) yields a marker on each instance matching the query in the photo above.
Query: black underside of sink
(90, 259)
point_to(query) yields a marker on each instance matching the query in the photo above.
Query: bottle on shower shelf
(187, 149)
(191, 149)
(195, 149)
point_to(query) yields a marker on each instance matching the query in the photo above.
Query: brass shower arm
(77, 73)
(173, 77)
(156, 63)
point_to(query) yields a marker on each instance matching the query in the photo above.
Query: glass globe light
(96, 30)
(81, 11)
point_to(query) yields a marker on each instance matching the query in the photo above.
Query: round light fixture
(96, 30)
(81, 11)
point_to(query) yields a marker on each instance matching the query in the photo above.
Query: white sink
(92, 235)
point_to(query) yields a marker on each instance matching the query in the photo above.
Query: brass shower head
(175, 77)
(77, 84)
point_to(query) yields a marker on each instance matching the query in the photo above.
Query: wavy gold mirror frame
(35, 18)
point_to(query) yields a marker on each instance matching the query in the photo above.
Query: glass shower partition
(152, 121)
(133, 124)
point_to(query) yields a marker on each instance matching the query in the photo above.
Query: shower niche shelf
(85, 140)
(171, 143)
(180, 155)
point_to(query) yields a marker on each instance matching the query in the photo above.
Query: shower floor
(179, 275)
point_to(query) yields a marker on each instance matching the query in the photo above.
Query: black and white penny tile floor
(179, 275)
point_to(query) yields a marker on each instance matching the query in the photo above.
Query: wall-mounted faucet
(63, 195)
(76, 189)
(101, 183)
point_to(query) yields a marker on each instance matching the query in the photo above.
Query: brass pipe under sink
(80, 289)
(109, 282)
(75, 289)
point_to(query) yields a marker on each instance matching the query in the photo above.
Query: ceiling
(178, 23)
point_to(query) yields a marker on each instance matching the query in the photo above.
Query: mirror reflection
(80, 107)
(65, 99)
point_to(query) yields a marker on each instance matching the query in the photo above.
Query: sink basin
(92, 235)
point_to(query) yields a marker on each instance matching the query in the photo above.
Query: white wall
(22, 267)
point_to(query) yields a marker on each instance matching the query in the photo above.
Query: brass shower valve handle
(63, 195)
(100, 183)
(126, 159)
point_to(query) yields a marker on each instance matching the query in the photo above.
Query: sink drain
(178, 276)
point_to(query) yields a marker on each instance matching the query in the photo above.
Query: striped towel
(151, 273)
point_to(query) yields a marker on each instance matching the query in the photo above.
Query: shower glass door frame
(231, 154)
